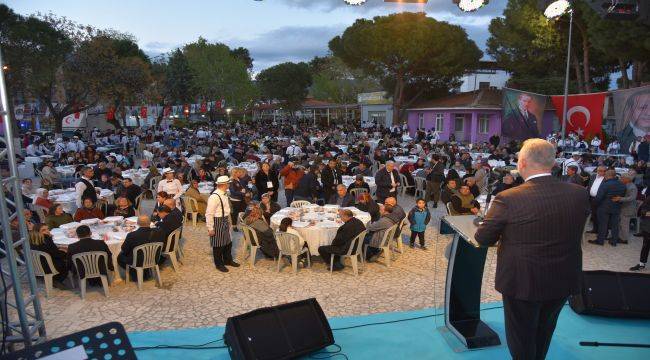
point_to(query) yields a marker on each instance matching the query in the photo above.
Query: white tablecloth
(250, 167)
(26, 171)
(68, 198)
(406, 159)
(137, 176)
(348, 180)
(324, 231)
(112, 232)
(66, 170)
(33, 159)
(205, 188)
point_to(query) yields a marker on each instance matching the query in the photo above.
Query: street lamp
(555, 9)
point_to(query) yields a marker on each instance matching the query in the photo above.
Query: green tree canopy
(287, 82)
(336, 82)
(407, 48)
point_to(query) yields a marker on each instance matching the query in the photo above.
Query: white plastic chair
(404, 184)
(149, 252)
(448, 205)
(250, 238)
(385, 244)
(39, 271)
(90, 262)
(191, 208)
(398, 239)
(299, 203)
(420, 187)
(138, 203)
(171, 249)
(358, 191)
(355, 252)
(290, 245)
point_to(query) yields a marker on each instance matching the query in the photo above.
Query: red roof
(480, 99)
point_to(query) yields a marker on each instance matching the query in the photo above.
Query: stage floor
(419, 339)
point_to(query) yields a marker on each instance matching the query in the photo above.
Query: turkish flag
(584, 113)
(218, 104)
(143, 111)
(204, 107)
(167, 110)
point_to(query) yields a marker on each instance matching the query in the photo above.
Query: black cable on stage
(186, 347)
(596, 344)
(329, 354)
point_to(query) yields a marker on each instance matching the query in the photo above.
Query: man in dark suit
(131, 191)
(572, 176)
(341, 198)
(308, 186)
(521, 124)
(609, 211)
(435, 178)
(387, 181)
(539, 226)
(169, 222)
(595, 180)
(342, 241)
(330, 177)
(144, 235)
(87, 244)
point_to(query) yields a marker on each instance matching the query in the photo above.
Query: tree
(244, 56)
(405, 49)
(287, 82)
(178, 78)
(336, 82)
(217, 74)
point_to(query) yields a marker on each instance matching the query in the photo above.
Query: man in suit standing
(539, 226)
(594, 184)
(144, 235)
(330, 177)
(170, 221)
(628, 206)
(435, 178)
(342, 241)
(387, 180)
(572, 176)
(609, 210)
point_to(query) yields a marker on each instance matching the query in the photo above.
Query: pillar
(474, 128)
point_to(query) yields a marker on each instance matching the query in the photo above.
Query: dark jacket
(384, 184)
(308, 187)
(437, 174)
(261, 180)
(348, 200)
(87, 245)
(371, 208)
(607, 190)
(171, 222)
(58, 256)
(328, 176)
(345, 234)
(411, 215)
(539, 225)
(136, 238)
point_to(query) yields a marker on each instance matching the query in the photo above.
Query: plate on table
(114, 218)
(72, 225)
(89, 221)
(133, 219)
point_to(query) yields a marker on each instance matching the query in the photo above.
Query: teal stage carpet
(419, 339)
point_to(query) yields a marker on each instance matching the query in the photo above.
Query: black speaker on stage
(280, 332)
(613, 294)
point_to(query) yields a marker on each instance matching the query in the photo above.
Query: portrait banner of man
(522, 114)
(632, 111)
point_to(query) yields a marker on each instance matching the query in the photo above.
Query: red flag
(110, 114)
(584, 113)
(204, 107)
(218, 104)
(143, 111)
(186, 109)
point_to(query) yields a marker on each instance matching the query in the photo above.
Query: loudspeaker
(280, 332)
(613, 294)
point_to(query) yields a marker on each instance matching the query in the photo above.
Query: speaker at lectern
(463, 284)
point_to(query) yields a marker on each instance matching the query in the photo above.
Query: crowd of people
(308, 164)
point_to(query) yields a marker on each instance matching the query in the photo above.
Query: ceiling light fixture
(471, 5)
(354, 2)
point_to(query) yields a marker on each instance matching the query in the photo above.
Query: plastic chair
(138, 203)
(358, 191)
(398, 238)
(191, 208)
(448, 206)
(250, 239)
(171, 249)
(90, 262)
(420, 187)
(299, 203)
(289, 245)
(240, 219)
(153, 185)
(385, 244)
(149, 252)
(40, 271)
(404, 184)
(354, 252)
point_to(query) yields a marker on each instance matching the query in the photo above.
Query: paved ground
(200, 296)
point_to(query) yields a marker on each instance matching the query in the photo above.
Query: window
(459, 123)
(484, 85)
(377, 117)
(420, 120)
(483, 123)
(439, 122)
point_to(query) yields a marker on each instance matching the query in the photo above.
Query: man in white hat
(170, 185)
(573, 161)
(293, 150)
(217, 218)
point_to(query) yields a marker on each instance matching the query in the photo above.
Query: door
(459, 128)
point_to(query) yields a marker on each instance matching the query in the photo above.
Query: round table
(348, 180)
(137, 176)
(406, 159)
(112, 230)
(66, 170)
(68, 198)
(323, 218)
(205, 188)
(250, 167)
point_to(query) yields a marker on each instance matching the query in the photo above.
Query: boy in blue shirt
(419, 217)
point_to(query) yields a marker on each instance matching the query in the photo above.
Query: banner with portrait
(522, 114)
(632, 112)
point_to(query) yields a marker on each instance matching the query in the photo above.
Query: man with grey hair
(609, 210)
(539, 227)
(628, 206)
(343, 240)
(594, 184)
(143, 235)
(387, 180)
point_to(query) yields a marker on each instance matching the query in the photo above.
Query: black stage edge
(463, 284)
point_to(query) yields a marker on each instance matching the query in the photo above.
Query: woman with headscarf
(41, 200)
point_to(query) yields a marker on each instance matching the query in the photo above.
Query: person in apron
(217, 215)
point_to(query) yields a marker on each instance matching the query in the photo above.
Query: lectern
(463, 284)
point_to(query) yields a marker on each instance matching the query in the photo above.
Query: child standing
(419, 217)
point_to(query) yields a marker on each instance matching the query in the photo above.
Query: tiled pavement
(199, 296)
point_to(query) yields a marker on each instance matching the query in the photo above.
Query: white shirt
(392, 177)
(79, 189)
(294, 150)
(31, 150)
(213, 209)
(537, 176)
(595, 142)
(615, 146)
(593, 190)
(173, 188)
